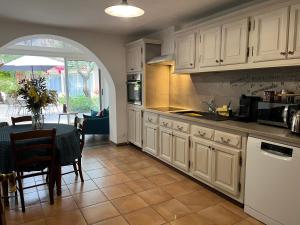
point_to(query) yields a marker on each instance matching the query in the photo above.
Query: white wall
(109, 49)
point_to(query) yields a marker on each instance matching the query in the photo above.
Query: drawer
(202, 132)
(150, 118)
(181, 126)
(164, 122)
(228, 139)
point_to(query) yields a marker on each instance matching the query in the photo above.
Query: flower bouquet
(37, 97)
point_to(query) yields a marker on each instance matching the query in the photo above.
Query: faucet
(212, 108)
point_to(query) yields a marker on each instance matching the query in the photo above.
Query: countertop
(271, 133)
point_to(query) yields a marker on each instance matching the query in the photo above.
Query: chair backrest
(33, 148)
(2, 210)
(3, 124)
(20, 119)
(80, 125)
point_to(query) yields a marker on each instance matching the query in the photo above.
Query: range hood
(166, 60)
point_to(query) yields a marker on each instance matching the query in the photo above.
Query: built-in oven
(134, 88)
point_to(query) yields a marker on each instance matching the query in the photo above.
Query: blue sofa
(95, 124)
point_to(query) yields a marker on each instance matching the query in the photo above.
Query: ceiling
(89, 14)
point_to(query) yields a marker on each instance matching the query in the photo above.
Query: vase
(37, 120)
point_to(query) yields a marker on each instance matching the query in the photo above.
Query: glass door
(82, 86)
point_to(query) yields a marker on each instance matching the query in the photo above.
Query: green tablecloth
(67, 144)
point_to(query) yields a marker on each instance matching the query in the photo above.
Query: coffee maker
(248, 108)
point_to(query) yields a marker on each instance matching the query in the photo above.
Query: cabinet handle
(131, 69)
(201, 134)
(291, 52)
(225, 141)
(191, 64)
(282, 53)
(212, 148)
(179, 127)
(217, 61)
(221, 60)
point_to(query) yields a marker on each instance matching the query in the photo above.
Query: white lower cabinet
(180, 157)
(199, 153)
(201, 159)
(226, 168)
(135, 126)
(165, 144)
(150, 138)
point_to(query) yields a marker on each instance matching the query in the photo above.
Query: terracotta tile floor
(124, 186)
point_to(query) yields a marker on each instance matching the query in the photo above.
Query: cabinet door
(150, 138)
(294, 33)
(234, 42)
(134, 59)
(226, 168)
(165, 144)
(138, 128)
(185, 52)
(270, 35)
(201, 159)
(210, 42)
(131, 125)
(180, 157)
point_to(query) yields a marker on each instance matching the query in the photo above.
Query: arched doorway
(110, 98)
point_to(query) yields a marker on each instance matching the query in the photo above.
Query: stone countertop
(271, 133)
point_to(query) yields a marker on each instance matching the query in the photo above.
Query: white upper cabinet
(234, 42)
(185, 51)
(210, 47)
(134, 59)
(294, 33)
(226, 44)
(270, 35)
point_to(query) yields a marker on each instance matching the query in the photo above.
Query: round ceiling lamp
(124, 10)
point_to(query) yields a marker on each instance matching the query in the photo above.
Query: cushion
(103, 113)
(94, 113)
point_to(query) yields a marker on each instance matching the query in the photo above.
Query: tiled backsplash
(190, 90)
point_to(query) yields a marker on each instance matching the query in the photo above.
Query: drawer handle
(225, 141)
(201, 133)
(179, 127)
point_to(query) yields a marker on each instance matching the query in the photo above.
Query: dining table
(67, 147)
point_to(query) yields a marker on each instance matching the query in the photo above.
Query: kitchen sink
(202, 115)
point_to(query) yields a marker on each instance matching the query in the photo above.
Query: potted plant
(37, 97)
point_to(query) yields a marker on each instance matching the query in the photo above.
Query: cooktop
(167, 109)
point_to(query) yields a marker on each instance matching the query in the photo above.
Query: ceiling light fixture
(124, 10)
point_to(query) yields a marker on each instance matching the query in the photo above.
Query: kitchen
(189, 76)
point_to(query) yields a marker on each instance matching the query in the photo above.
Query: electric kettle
(295, 126)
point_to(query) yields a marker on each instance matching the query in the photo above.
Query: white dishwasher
(272, 188)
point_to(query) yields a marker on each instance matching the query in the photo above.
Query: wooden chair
(77, 163)
(2, 211)
(20, 119)
(36, 153)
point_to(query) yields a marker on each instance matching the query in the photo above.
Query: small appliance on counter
(248, 108)
(295, 126)
(277, 114)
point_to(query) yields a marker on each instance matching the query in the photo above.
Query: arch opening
(74, 51)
